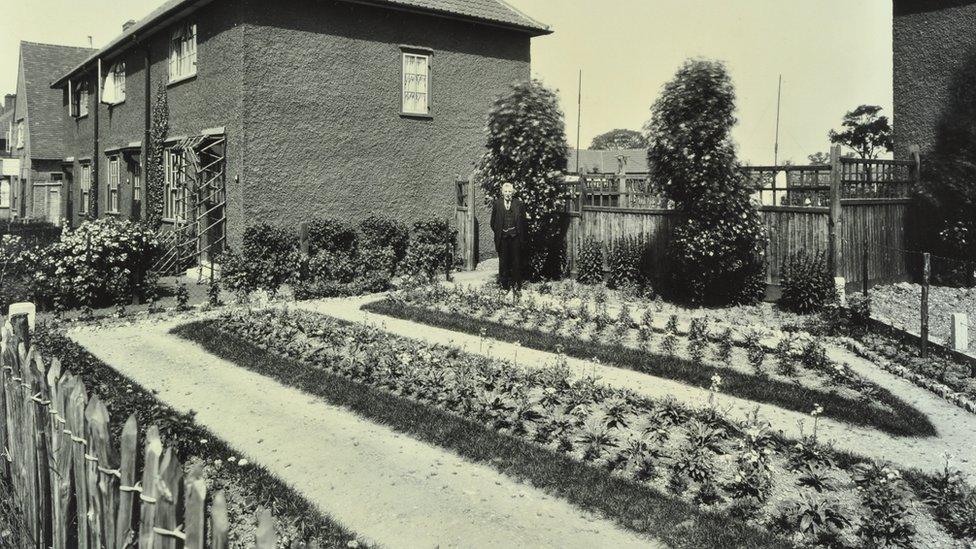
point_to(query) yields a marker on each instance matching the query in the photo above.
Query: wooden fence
(79, 489)
(855, 211)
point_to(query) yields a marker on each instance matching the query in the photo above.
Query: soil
(899, 304)
(387, 487)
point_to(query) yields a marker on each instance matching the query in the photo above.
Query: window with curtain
(20, 134)
(4, 193)
(183, 52)
(416, 83)
(79, 99)
(174, 191)
(113, 184)
(113, 90)
(84, 183)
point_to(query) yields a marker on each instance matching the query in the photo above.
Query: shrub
(431, 249)
(589, 263)
(379, 232)
(330, 235)
(527, 147)
(953, 502)
(624, 262)
(80, 268)
(807, 284)
(269, 257)
(718, 246)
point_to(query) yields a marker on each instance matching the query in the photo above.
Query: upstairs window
(113, 184)
(79, 99)
(113, 89)
(4, 193)
(183, 52)
(416, 83)
(20, 134)
(85, 186)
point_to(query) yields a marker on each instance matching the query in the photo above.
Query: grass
(632, 505)
(14, 531)
(124, 397)
(902, 420)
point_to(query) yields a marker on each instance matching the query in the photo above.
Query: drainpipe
(95, 156)
(147, 119)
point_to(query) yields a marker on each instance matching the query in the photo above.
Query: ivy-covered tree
(864, 131)
(155, 175)
(527, 148)
(718, 245)
(618, 139)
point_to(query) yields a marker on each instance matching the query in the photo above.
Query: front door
(54, 205)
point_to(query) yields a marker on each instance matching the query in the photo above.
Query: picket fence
(75, 487)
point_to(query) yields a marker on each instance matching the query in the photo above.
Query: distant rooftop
(601, 161)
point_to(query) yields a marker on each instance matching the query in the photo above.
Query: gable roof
(601, 161)
(41, 64)
(490, 12)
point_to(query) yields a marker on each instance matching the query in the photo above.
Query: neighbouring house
(607, 161)
(279, 113)
(9, 166)
(934, 66)
(37, 132)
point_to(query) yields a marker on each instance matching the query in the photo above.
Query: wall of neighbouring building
(934, 67)
(322, 103)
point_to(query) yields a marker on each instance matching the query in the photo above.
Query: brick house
(934, 62)
(36, 132)
(310, 108)
(9, 166)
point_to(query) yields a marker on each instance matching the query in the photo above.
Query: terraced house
(283, 111)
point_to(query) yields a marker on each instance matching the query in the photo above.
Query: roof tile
(44, 63)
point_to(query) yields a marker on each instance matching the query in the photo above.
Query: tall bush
(589, 263)
(527, 148)
(431, 249)
(718, 246)
(380, 232)
(807, 284)
(155, 176)
(269, 257)
(331, 235)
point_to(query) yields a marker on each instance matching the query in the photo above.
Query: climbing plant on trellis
(155, 174)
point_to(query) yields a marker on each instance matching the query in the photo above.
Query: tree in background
(615, 140)
(867, 133)
(819, 159)
(527, 147)
(718, 245)
(155, 175)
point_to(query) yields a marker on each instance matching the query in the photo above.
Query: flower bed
(795, 375)
(688, 476)
(246, 486)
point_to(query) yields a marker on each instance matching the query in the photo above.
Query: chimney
(127, 24)
(8, 101)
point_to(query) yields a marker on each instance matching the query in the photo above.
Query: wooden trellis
(77, 487)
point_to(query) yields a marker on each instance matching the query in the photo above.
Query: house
(607, 161)
(281, 113)
(9, 166)
(38, 125)
(934, 65)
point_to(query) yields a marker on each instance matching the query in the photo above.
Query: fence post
(303, 237)
(471, 260)
(835, 221)
(926, 271)
(864, 264)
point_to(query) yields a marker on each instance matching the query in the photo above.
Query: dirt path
(957, 428)
(387, 487)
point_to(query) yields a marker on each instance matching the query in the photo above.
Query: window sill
(180, 79)
(417, 115)
(80, 116)
(113, 103)
(112, 213)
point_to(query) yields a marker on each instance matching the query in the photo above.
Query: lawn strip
(905, 421)
(634, 506)
(124, 397)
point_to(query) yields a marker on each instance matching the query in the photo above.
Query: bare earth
(956, 427)
(387, 487)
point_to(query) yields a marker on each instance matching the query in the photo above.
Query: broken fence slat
(148, 497)
(195, 492)
(219, 526)
(128, 446)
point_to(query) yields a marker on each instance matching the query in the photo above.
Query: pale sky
(833, 55)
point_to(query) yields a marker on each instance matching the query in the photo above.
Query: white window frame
(20, 134)
(114, 163)
(183, 52)
(415, 83)
(174, 188)
(79, 100)
(136, 179)
(84, 184)
(5, 188)
(113, 87)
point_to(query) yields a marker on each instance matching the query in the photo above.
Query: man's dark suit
(508, 243)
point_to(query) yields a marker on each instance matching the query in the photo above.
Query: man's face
(508, 191)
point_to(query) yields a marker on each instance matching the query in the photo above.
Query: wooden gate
(467, 225)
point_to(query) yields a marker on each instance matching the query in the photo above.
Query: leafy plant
(623, 263)
(182, 296)
(807, 285)
(155, 147)
(670, 342)
(819, 521)
(953, 502)
(377, 232)
(431, 249)
(332, 235)
(785, 362)
(698, 339)
(723, 350)
(589, 262)
(884, 495)
(755, 352)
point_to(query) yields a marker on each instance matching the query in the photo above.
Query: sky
(833, 55)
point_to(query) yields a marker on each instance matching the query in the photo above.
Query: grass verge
(246, 488)
(633, 506)
(902, 420)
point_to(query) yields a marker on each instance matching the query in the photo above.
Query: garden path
(956, 427)
(387, 487)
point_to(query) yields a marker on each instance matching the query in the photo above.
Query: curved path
(388, 488)
(956, 427)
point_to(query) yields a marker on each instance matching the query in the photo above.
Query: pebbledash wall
(934, 59)
(309, 96)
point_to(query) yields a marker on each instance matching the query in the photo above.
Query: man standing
(508, 222)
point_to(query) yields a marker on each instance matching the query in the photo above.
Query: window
(183, 52)
(113, 184)
(85, 186)
(416, 83)
(20, 134)
(174, 191)
(113, 90)
(79, 100)
(4, 193)
(136, 167)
